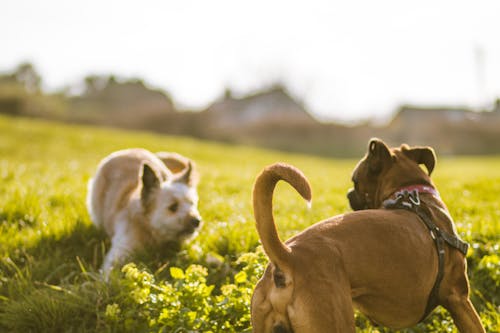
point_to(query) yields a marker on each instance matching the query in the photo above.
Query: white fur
(115, 203)
(171, 226)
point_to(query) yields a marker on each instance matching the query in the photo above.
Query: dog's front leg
(464, 315)
(457, 301)
(122, 244)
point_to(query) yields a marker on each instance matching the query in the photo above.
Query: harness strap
(411, 202)
(450, 239)
(439, 240)
(455, 242)
(432, 302)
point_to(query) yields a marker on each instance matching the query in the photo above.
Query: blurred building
(270, 117)
(268, 106)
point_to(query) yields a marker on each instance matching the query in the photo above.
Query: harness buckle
(414, 198)
(433, 235)
(407, 199)
(435, 232)
(407, 204)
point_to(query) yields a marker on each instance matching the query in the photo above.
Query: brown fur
(382, 262)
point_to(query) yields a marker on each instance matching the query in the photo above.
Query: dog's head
(384, 170)
(171, 205)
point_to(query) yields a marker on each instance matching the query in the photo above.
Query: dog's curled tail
(263, 189)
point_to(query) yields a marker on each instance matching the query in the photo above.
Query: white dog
(140, 199)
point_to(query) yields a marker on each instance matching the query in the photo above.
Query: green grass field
(50, 252)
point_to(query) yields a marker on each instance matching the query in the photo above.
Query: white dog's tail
(263, 189)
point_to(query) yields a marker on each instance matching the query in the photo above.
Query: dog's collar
(416, 188)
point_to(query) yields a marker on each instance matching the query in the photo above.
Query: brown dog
(381, 261)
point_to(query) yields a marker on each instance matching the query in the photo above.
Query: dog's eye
(173, 207)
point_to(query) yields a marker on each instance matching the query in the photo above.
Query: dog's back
(116, 181)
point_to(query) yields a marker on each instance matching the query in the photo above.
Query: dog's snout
(280, 329)
(351, 194)
(195, 221)
(355, 201)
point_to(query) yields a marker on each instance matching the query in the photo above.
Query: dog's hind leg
(322, 299)
(330, 311)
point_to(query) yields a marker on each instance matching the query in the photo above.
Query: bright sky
(344, 59)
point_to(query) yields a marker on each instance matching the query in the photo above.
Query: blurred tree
(95, 84)
(228, 93)
(28, 77)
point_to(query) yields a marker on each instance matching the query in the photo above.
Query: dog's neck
(420, 189)
(430, 199)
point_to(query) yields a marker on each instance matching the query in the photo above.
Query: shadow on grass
(61, 259)
(56, 286)
(56, 259)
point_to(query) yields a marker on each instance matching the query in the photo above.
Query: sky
(345, 60)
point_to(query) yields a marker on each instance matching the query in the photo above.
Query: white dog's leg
(122, 245)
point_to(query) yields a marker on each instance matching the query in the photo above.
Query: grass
(50, 252)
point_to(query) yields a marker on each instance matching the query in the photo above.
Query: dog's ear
(379, 155)
(421, 155)
(188, 176)
(150, 183)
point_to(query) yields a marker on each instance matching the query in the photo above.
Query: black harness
(410, 201)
